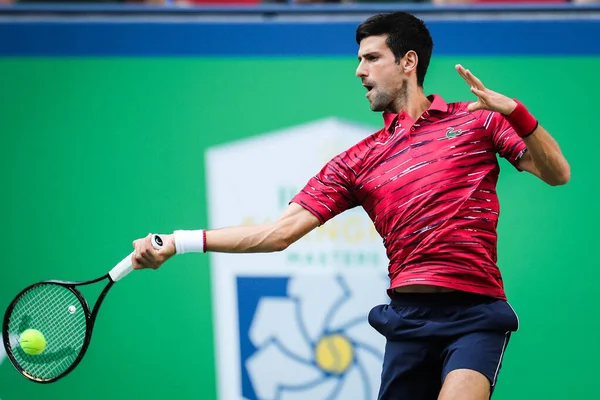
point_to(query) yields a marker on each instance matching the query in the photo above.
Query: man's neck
(414, 103)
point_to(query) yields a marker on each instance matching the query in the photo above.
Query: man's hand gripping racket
(60, 318)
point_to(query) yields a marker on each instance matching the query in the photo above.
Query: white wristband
(189, 241)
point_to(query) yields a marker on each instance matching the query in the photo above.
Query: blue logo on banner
(307, 337)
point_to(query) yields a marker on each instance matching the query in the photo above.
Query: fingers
(471, 79)
(466, 75)
(462, 72)
(473, 107)
(144, 254)
(478, 105)
(477, 92)
(474, 81)
(138, 261)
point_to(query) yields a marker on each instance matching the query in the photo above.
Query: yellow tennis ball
(32, 341)
(334, 353)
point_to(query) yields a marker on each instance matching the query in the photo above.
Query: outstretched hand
(146, 256)
(486, 99)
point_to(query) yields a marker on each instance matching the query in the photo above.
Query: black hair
(405, 32)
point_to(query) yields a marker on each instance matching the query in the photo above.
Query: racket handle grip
(123, 268)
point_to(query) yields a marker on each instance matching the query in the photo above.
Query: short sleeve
(507, 143)
(329, 192)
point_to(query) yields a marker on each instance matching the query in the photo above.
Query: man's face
(379, 73)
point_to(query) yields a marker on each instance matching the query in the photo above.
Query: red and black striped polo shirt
(429, 187)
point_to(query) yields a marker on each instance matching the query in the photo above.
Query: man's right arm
(293, 224)
(327, 194)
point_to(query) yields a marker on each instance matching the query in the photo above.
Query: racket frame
(90, 319)
(121, 270)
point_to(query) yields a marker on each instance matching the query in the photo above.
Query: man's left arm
(544, 159)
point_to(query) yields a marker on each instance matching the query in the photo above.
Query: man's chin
(376, 107)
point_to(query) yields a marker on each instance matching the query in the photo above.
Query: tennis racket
(61, 313)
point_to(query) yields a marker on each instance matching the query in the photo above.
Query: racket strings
(64, 299)
(45, 308)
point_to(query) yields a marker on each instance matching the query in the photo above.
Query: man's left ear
(409, 61)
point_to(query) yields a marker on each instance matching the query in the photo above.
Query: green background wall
(98, 152)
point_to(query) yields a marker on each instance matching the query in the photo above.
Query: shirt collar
(437, 104)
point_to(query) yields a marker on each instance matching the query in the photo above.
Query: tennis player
(428, 181)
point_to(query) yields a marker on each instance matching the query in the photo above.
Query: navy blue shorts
(430, 334)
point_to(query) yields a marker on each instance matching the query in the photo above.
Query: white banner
(293, 324)
(2, 351)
